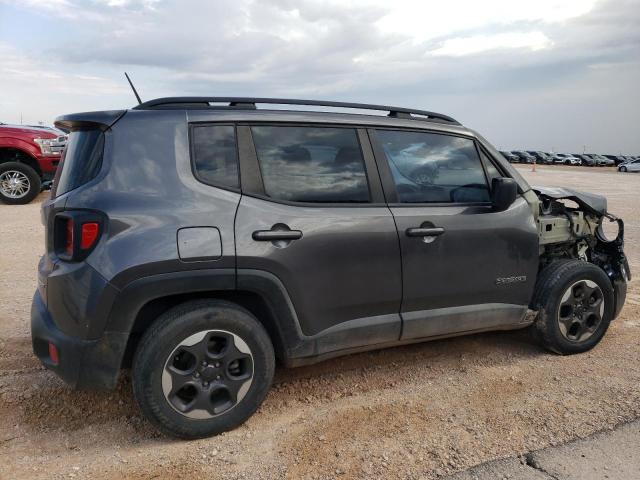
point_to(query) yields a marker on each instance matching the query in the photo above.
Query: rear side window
(215, 158)
(311, 164)
(434, 168)
(82, 160)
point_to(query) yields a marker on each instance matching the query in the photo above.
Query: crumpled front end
(572, 224)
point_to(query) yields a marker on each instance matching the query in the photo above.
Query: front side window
(492, 171)
(215, 160)
(311, 164)
(434, 168)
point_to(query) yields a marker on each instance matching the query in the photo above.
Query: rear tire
(19, 183)
(202, 368)
(575, 303)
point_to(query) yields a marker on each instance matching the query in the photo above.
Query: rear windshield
(81, 161)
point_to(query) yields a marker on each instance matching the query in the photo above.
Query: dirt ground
(421, 411)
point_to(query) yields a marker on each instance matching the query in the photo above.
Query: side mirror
(504, 192)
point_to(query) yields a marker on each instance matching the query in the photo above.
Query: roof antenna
(133, 88)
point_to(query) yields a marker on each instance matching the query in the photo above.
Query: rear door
(313, 216)
(465, 267)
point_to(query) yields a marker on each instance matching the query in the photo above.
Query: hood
(589, 201)
(44, 132)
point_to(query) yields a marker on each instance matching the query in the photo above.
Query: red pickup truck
(29, 157)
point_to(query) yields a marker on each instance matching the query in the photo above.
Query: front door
(465, 267)
(316, 220)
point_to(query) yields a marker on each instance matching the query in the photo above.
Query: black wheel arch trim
(133, 296)
(290, 342)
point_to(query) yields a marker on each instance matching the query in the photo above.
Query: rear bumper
(84, 364)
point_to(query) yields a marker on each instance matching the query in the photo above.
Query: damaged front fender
(591, 202)
(574, 229)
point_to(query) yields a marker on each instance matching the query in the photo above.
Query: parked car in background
(525, 157)
(631, 166)
(566, 159)
(587, 161)
(602, 160)
(511, 157)
(29, 156)
(541, 157)
(617, 159)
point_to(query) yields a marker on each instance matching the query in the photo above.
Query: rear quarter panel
(148, 192)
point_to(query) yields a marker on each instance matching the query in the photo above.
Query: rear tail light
(88, 234)
(76, 234)
(68, 244)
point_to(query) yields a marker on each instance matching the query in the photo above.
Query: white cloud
(469, 58)
(424, 20)
(481, 43)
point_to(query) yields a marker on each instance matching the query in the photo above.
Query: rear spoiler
(76, 121)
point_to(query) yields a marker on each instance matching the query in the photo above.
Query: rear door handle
(424, 231)
(272, 235)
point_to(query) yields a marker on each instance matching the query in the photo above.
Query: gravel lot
(421, 411)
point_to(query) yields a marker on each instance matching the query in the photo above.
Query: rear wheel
(19, 183)
(202, 368)
(574, 300)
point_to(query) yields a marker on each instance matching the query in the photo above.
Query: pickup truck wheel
(574, 300)
(19, 183)
(202, 368)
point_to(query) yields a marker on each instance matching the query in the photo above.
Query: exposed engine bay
(571, 224)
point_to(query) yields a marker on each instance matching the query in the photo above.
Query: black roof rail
(250, 103)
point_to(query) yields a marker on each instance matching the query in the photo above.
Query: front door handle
(424, 231)
(274, 235)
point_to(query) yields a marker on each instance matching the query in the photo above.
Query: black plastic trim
(250, 103)
(85, 364)
(141, 291)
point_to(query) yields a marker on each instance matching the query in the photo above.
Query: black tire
(623, 169)
(158, 346)
(553, 283)
(29, 174)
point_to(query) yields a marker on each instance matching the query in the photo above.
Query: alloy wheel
(207, 374)
(14, 184)
(581, 310)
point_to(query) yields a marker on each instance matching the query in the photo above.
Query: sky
(538, 75)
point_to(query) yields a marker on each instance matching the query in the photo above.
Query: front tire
(19, 183)
(202, 368)
(623, 169)
(575, 303)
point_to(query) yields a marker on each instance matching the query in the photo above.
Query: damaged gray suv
(199, 241)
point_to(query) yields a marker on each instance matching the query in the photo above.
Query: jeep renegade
(199, 240)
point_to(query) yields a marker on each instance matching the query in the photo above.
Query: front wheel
(202, 368)
(19, 183)
(623, 169)
(575, 303)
